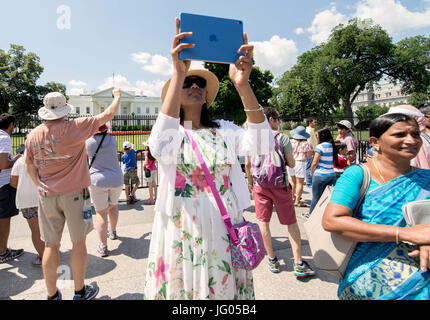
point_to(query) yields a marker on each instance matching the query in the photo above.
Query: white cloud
(277, 54)
(156, 63)
(323, 24)
(392, 15)
(152, 89)
(75, 91)
(299, 31)
(77, 83)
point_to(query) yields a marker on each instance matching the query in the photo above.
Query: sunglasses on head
(188, 82)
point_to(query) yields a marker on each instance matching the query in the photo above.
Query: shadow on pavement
(17, 281)
(133, 248)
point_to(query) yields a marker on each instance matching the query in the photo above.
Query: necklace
(377, 169)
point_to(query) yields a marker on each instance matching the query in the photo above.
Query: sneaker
(305, 215)
(90, 293)
(37, 262)
(273, 264)
(130, 201)
(59, 296)
(303, 270)
(133, 198)
(112, 235)
(102, 250)
(10, 255)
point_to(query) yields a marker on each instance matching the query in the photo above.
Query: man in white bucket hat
(56, 157)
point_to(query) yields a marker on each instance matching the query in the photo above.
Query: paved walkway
(122, 274)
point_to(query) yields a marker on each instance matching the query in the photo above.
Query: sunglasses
(188, 82)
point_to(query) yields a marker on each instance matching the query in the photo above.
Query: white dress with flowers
(189, 255)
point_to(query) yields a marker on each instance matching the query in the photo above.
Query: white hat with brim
(212, 84)
(55, 107)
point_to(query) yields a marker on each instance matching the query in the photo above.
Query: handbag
(147, 173)
(331, 251)
(417, 212)
(246, 241)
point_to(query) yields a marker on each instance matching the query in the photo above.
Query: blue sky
(132, 38)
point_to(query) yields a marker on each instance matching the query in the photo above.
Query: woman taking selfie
(189, 254)
(385, 265)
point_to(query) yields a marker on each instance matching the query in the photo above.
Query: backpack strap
(98, 148)
(364, 187)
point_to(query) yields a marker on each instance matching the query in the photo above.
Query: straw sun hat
(212, 84)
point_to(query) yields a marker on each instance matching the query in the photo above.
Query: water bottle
(86, 210)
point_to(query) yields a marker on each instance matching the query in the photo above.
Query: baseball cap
(345, 123)
(126, 145)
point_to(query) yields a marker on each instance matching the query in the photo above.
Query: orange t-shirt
(58, 150)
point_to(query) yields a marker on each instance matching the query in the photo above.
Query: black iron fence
(136, 129)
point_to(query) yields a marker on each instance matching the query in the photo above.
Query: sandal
(301, 205)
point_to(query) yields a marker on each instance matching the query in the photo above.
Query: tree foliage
(356, 56)
(19, 92)
(228, 104)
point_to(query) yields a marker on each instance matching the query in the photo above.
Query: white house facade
(131, 103)
(384, 94)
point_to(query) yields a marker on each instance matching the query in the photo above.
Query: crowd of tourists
(202, 190)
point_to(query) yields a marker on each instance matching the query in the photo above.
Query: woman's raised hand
(240, 71)
(180, 67)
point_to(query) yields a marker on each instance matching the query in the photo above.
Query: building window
(147, 110)
(139, 110)
(102, 109)
(156, 110)
(78, 110)
(124, 110)
(88, 110)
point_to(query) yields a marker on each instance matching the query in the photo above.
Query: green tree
(296, 95)
(228, 103)
(19, 92)
(411, 65)
(355, 55)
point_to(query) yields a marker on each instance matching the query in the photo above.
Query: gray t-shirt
(105, 171)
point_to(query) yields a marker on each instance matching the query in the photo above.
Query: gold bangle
(397, 234)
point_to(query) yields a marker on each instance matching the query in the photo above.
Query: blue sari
(383, 270)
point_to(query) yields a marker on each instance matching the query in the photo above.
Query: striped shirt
(325, 165)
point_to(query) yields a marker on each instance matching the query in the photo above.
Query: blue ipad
(216, 39)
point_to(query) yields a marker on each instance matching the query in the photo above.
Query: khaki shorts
(131, 175)
(103, 197)
(55, 211)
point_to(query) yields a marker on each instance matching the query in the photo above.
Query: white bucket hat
(54, 107)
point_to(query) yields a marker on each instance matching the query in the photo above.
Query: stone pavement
(121, 275)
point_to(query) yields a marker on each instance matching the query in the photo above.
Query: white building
(384, 94)
(99, 101)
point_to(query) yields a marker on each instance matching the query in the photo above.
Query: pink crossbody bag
(246, 241)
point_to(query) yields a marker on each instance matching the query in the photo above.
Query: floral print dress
(189, 255)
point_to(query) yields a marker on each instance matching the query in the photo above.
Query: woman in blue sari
(391, 259)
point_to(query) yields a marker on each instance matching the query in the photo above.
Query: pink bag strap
(224, 214)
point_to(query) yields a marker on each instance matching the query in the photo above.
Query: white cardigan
(165, 142)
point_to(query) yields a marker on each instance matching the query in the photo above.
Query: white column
(93, 108)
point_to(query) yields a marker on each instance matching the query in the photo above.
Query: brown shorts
(131, 176)
(55, 211)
